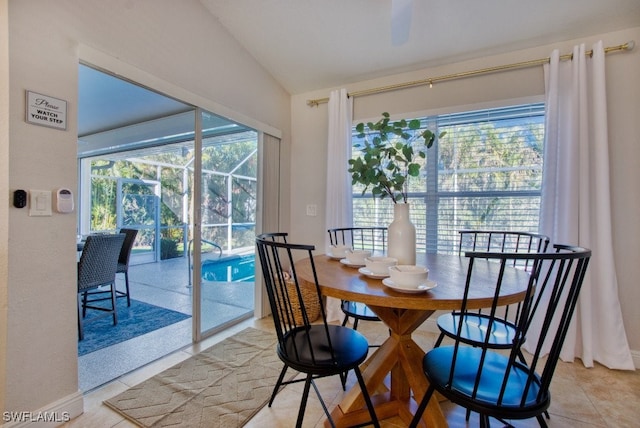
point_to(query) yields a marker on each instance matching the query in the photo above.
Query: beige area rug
(223, 386)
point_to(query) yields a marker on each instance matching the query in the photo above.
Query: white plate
(332, 257)
(421, 288)
(367, 272)
(348, 263)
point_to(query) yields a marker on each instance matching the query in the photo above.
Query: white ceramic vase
(401, 237)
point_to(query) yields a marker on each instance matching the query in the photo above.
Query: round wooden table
(399, 356)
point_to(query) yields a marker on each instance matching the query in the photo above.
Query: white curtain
(339, 207)
(576, 205)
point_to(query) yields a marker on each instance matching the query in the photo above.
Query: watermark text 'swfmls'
(35, 417)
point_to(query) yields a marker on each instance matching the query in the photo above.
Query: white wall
(4, 180)
(309, 140)
(175, 45)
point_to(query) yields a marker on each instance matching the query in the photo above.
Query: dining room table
(393, 373)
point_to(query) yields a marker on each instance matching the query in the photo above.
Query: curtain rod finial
(630, 45)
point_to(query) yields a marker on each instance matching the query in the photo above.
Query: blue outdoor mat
(133, 321)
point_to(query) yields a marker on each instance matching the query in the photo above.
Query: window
(485, 173)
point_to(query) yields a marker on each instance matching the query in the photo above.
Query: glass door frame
(196, 306)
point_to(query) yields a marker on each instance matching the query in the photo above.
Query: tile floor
(581, 397)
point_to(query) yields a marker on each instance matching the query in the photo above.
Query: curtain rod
(430, 81)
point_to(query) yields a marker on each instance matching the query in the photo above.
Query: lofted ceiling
(315, 44)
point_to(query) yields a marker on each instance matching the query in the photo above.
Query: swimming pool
(238, 268)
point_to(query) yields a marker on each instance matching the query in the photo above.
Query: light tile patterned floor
(581, 397)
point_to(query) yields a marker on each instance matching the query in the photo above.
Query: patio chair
(362, 238)
(501, 384)
(97, 268)
(315, 349)
(123, 267)
(123, 261)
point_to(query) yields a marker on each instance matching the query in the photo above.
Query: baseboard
(635, 355)
(51, 416)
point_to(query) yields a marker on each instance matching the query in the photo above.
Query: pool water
(230, 269)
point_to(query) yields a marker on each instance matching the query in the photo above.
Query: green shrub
(169, 249)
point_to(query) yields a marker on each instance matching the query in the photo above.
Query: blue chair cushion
(437, 366)
(475, 326)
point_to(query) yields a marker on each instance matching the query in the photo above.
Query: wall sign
(46, 111)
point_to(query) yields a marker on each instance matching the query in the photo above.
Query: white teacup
(379, 265)
(409, 276)
(356, 257)
(339, 250)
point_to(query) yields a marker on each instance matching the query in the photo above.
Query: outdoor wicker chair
(97, 268)
(123, 267)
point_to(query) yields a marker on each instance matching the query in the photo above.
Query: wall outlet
(312, 210)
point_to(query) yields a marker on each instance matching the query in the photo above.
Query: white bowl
(379, 265)
(356, 257)
(409, 276)
(339, 250)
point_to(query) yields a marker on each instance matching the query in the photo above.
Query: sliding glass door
(226, 191)
(187, 179)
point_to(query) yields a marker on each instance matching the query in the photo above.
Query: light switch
(39, 203)
(312, 210)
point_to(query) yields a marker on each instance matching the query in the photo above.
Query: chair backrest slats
(290, 299)
(372, 238)
(503, 241)
(554, 277)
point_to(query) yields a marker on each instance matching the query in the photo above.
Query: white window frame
(427, 239)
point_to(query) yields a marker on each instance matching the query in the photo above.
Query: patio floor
(165, 284)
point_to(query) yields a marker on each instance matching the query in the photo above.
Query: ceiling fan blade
(401, 11)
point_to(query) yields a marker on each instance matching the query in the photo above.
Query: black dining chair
(503, 322)
(498, 383)
(476, 322)
(372, 238)
(316, 349)
(97, 268)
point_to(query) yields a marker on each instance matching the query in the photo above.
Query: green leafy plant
(389, 157)
(168, 249)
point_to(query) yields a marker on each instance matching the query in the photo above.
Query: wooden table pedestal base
(400, 357)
